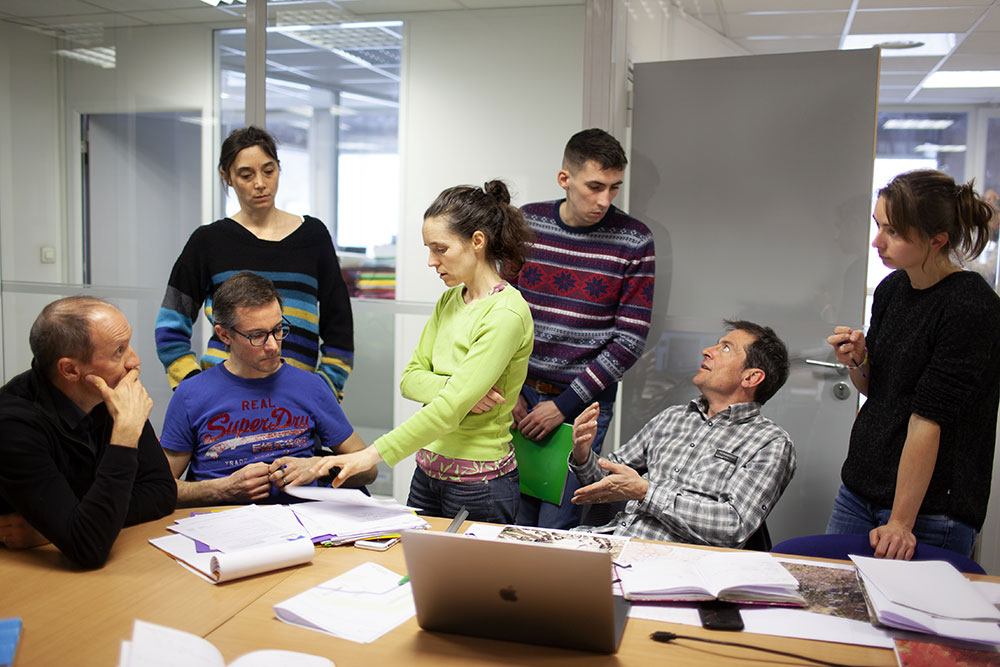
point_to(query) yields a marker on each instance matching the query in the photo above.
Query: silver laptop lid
(514, 591)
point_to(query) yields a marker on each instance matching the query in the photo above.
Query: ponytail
(488, 210)
(973, 215)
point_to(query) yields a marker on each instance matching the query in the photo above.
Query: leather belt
(543, 387)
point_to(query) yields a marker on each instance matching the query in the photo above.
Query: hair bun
(498, 190)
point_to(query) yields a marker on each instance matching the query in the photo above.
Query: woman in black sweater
(921, 452)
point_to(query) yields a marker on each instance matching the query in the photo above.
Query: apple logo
(508, 594)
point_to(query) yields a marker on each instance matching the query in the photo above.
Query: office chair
(760, 540)
(842, 546)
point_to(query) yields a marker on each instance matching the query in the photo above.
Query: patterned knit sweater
(590, 290)
(304, 268)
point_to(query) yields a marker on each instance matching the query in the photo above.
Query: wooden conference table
(73, 617)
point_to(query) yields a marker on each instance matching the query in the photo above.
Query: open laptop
(514, 591)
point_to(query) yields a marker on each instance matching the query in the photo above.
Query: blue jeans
(493, 500)
(853, 515)
(565, 515)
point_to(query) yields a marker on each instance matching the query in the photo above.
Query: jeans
(493, 500)
(853, 515)
(565, 515)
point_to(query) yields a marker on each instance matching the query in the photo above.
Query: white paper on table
(484, 531)
(930, 586)
(161, 646)
(236, 564)
(219, 567)
(241, 528)
(779, 622)
(346, 496)
(907, 618)
(989, 590)
(340, 519)
(360, 605)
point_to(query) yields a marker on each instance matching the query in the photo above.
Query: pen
(456, 523)
(403, 580)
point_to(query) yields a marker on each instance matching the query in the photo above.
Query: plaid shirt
(712, 480)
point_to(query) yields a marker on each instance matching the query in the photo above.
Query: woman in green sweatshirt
(469, 366)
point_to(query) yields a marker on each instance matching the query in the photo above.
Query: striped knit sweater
(305, 270)
(590, 290)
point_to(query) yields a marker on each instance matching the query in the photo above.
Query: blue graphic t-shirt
(227, 422)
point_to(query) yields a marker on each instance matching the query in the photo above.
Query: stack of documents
(220, 546)
(927, 596)
(341, 516)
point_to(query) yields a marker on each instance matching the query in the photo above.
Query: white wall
(657, 37)
(485, 94)
(162, 68)
(30, 175)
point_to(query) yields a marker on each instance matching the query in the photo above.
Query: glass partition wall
(110, 126)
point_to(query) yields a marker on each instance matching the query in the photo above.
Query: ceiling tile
(957, 96)
(369, 7)
(890, 79)
(788, 45)
(820, 23)
(735, 6)
(131, 6)
(922, 20)
(979, 43)
(992, 20)
(907, 4)
(962, 63)
(909, 64)
(32, 8)
(503, 4)
(204, 14)
(102, 20)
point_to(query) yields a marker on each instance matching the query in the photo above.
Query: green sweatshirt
(464, 350)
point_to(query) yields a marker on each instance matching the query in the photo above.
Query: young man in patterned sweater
(589, 283)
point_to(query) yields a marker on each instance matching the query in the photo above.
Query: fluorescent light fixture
(938, 148)
(342, 111)
(917, 124)
(933, 44)
(101, 56)
(975, 79)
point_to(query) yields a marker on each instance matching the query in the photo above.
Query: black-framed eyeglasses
(259, 338)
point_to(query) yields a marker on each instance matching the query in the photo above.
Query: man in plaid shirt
(708, 472)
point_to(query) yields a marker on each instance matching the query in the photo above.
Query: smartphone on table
(377, 544)
(718, 615)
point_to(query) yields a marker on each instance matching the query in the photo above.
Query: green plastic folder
(543, 465)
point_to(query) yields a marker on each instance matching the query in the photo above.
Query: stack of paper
(220, 546)
(360, 605)
(927, 596)
(341, 516)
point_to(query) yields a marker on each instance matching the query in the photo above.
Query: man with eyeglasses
(249, 426)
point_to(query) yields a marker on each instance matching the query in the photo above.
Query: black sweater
(61, 473)
(936, 353)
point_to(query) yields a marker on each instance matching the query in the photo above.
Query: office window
(914, 140)
(332, 92)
